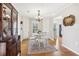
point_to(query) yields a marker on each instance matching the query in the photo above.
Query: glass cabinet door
(15, 25)
(6, 19)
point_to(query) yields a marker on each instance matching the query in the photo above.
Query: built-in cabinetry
(9, 29)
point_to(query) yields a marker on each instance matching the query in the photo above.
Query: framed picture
(69, 20)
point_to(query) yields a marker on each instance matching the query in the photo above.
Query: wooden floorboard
(61, 52)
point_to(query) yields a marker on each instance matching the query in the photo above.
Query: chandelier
(39, 18)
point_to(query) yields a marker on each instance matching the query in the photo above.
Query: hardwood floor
(61, 52)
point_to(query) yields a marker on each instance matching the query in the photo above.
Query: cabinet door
(2, 48)
(15, 29)
(6, 21)
(15, 24)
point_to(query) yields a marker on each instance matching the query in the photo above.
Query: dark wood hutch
(8, 29)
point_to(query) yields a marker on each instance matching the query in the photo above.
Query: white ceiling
(30, 9)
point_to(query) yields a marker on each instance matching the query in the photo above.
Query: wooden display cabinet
(9, 28)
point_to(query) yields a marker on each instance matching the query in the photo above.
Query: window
(34, 26)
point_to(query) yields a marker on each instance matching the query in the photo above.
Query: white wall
(71, 33)
(45, 25)
(25, 26)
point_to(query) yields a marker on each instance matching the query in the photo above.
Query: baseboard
(70, 49)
